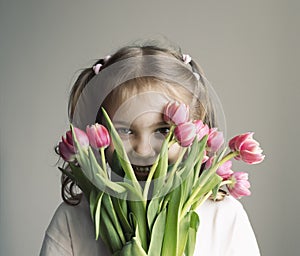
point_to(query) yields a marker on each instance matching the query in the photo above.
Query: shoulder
(68, 218)
(65, 211)
(227, 206)
(227, 228)
(72, 230)
(57, 240)
(228, 214)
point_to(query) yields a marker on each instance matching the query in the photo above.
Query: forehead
(144, 91)
(139, 105)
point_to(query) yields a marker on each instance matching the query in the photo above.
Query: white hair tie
(186, 58)
(98, 66)
(196, 75)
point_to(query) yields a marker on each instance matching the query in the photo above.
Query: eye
(163, 130)
(124, 131)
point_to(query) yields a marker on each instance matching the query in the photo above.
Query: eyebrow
(124, 123)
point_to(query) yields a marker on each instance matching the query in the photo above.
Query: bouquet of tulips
(159, 217)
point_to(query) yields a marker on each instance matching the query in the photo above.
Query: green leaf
(170, 244)
(194, 156)
(221, 155)
(103, 184)
(157, 234)
(122, 155)
(162, 166)
(108, 233)
(97, 214)
(152, 211)
(109, 207)
(132, 248)
(161, 169)
(192, 165)
(212, 182)
(93, 202)
(216, 190)
(183, 232)
(116, 165)
(139, 212)
(192, 234)
(120, 207)
(81, 180)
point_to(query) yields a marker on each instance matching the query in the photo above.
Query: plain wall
(248, 49)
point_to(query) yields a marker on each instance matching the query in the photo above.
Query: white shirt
(224, 230)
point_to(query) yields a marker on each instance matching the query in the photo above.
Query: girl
(133, 85)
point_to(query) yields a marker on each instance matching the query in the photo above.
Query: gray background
(248, 49)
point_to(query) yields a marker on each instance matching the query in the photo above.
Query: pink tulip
(240, 185)
(209, 162)
(215, 140)
(176, 113)
(66, 146)
(225, 171)
(185, 134)
(201, 129)
(248, 148)
(66, 150)
(205, 157)
(98, 136)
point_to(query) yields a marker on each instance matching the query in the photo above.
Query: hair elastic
(186, 58)
(98, 66)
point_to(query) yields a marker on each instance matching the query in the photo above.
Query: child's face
(139, 122)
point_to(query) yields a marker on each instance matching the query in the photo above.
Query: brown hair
(201, 108)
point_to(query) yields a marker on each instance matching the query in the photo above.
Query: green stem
(203, 199)
(149, 178)
(172, 142)
(103, 161)
(190, 201)
(153, 168)
(178, 161)
(225, 182)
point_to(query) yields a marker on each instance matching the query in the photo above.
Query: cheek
(174, 152)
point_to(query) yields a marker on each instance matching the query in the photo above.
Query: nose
(142, 146)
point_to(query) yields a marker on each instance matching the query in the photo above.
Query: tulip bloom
(201, 129)
(240, 185)
(66, 151)
(185, 134)
(205, 157)
(248, 148)
(66, 146)
(215, 140)
(98, 136)
(225, 171)
(176, 113)
(209, 162)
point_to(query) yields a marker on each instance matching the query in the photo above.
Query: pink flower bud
(66, 146)
(185, 134)
(98, 136)
(201, 129)
(240, 185)
(176, 113)
(248, 148)
(225, 171)
(215, 140)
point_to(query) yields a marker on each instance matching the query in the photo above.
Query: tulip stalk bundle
(158, 218)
